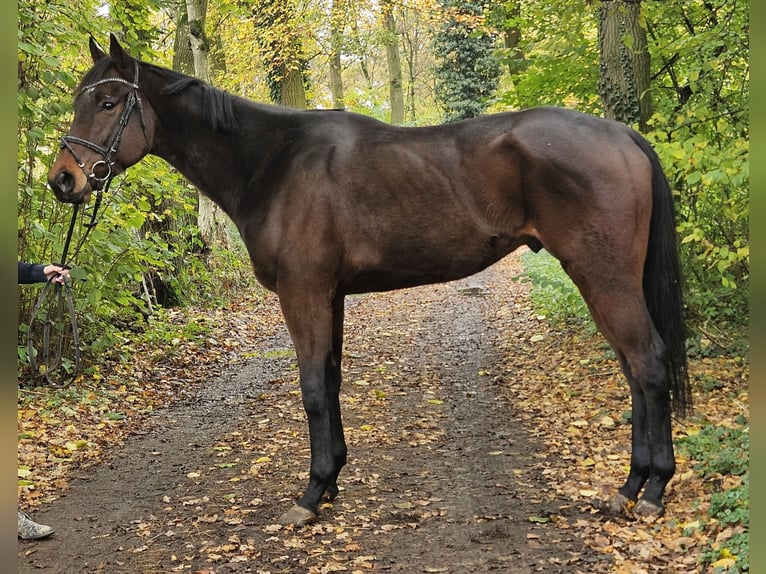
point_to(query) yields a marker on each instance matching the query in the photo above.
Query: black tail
(663, 288)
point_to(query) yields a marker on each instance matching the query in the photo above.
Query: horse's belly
(419, 263)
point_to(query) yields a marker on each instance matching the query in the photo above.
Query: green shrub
(721, 450)
(724, 451)
(552, 292)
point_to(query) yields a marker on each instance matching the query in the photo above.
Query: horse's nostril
(64, 182)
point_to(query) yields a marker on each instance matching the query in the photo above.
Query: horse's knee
(314, 400)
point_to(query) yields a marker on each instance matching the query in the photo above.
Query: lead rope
(47, 321)
(56, 298)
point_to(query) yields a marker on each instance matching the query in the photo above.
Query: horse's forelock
(96, 73)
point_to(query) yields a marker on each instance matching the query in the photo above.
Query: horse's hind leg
(652, 461)
(617, 305)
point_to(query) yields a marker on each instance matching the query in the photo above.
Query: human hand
(56, 273)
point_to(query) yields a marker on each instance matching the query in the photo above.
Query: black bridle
(100, 184)
(133, 101)
(56, 301)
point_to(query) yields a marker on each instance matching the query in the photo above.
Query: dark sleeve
(31, 273)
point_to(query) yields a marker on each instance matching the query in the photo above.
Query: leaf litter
(563, 387)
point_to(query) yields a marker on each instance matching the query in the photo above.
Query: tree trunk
(277, 28)
(394, 65)
(210, 220)
(183, 60)
(336, 47)
(511, 38)
(410, 31)
(196, 11)
(292, 90)
(624, 63)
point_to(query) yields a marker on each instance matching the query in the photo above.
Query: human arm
(39, 273)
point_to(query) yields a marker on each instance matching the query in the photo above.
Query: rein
(46, 322)
(56, 300)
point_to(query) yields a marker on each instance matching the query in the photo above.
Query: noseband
(99, 183)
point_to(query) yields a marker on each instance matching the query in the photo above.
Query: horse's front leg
(315, 326)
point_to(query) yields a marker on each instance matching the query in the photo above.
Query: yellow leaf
(684, 476)
(75, 444)
(693, 524)
(607, 422)
(723, 563)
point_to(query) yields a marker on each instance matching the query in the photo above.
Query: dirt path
(442, 476)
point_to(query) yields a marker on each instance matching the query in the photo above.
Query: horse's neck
(221, 164)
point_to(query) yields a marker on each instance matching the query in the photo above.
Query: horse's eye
(107, 105)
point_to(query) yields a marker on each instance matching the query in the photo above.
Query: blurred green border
(757, 286)
(8, 401)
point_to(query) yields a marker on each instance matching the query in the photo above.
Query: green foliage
(700, 128)
(467, 70)
(701, 132)
(146, 236)
(721, 450)
(552, 292)
(559, 47)
(724, 451)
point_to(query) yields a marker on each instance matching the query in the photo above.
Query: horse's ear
(120, 57)
(95, 50)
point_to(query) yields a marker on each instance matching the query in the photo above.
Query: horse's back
(390, 207)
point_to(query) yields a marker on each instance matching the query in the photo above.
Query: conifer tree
(467, 71)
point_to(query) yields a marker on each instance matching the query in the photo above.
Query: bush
(552, 292)
(718, 450)
(724, 451)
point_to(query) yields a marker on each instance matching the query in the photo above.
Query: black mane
(217, 104)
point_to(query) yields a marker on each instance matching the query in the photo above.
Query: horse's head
(113, 126)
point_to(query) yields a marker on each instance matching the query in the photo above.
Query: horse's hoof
(298, 516)
(645, 508)
(331, 493)
(619, 505)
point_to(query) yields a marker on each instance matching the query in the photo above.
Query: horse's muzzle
(63, 184)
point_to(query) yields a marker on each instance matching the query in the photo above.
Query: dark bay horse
(331, 203)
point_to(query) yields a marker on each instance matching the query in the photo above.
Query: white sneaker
(30, 530)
